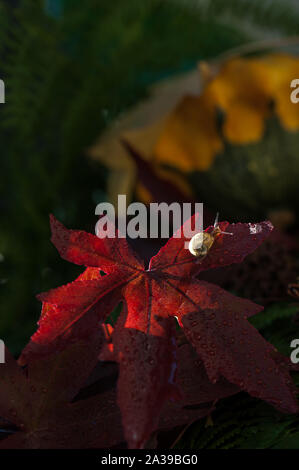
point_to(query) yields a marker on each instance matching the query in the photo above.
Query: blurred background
(161, 100)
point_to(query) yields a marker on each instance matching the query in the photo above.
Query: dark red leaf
(70, 302)
(145, 348)
(38, 399)
(215, 322)
(86, 249)
(175, 259)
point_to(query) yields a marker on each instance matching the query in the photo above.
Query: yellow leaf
(243, 123)
(190, 138)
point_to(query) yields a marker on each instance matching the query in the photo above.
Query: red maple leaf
(214, 321)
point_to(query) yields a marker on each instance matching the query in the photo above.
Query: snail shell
(200, 244)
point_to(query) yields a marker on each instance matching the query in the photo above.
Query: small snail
(201, 243)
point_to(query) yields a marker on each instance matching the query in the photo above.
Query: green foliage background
(70, 68)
